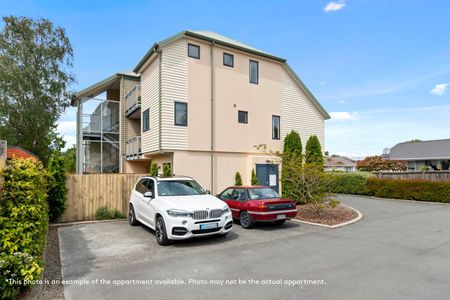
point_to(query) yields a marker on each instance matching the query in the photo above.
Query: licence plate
(208, 226)
(279, 217)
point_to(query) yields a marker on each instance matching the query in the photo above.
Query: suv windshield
(179, 188)
(262, 193)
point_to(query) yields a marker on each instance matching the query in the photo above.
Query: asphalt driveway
(399, 250)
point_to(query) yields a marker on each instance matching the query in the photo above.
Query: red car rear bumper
(273, 215)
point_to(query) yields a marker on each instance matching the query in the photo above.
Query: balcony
(133, 103)
(133, 148)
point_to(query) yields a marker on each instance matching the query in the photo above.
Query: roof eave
(105, 82)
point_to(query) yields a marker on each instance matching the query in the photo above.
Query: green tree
(237, 179)
(254, 178)
(154, 169)
(167, 170)
(57, 191)
(70, 159)
(35, 62)
(313, 151)
(292, 149)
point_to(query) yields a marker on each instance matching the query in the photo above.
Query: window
(228, 60)
(181, 116)
(242, 117)
(253, 72)
(141, 187)
(275, 127)
(194, 51)
(145, 120)
(239, 194)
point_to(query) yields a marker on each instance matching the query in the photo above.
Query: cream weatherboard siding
(174, 89)
(150, 100)
(299, 113)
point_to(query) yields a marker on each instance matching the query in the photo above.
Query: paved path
(399, 250)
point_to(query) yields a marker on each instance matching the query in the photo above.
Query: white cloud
(323, 82)
(341, 101)
(439, 89)
(344, 116)
(333, 6)
(68, 131)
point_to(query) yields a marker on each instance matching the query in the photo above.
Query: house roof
(338, 161)
(18, 152)
(101, 86)
(434, 149)
(219, 39)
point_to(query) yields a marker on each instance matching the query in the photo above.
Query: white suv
(177, 208)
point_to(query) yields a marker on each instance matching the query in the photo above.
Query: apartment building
(200, 102)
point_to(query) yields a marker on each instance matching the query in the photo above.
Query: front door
(268, 175)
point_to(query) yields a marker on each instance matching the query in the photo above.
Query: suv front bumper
(185, 228)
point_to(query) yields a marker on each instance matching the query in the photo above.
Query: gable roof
(434, 149)
(19, 152)
(338, 161)
(219, 39)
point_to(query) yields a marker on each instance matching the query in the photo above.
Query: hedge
(23, 225)
(421, 190)
(347, 183)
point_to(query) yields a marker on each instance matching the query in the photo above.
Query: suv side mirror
(148, 195)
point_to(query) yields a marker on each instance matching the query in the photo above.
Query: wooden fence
(87, 193)
(432, 175)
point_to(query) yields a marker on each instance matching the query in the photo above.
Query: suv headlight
(226, 209)
(179, 213)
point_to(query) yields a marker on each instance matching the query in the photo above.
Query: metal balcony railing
(133, 148)
(133, 100)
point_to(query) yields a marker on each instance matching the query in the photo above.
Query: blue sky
(381, 68)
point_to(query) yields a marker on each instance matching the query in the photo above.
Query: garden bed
(329, 216)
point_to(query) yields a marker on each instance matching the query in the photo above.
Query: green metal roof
(208, 36)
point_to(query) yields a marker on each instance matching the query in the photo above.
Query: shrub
(154, 169)
(23, 224)
(57, 191)
(167, 170)
(378, 163)
(103, 213)
(313, 151)
(19, 267)
(421, 190)
(347, 183)
(237, 179)
(254, 179)
(292, 148)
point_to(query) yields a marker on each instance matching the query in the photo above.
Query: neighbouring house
(434, 154)
(338, 163)
(200, 102)
(18, 152)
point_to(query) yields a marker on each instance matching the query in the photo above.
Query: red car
(250, 204)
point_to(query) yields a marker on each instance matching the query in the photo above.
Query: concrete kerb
(359, 217)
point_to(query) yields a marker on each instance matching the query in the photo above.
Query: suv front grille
(204, 214)
(215, 213)
(200, 215)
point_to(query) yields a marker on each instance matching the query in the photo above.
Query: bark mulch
(329, 216)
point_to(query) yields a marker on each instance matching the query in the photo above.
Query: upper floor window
(145, 120)
(242, 116)
(194, 51)
(228, 60)
(253, 71)
(275, 127)
(181, 114)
